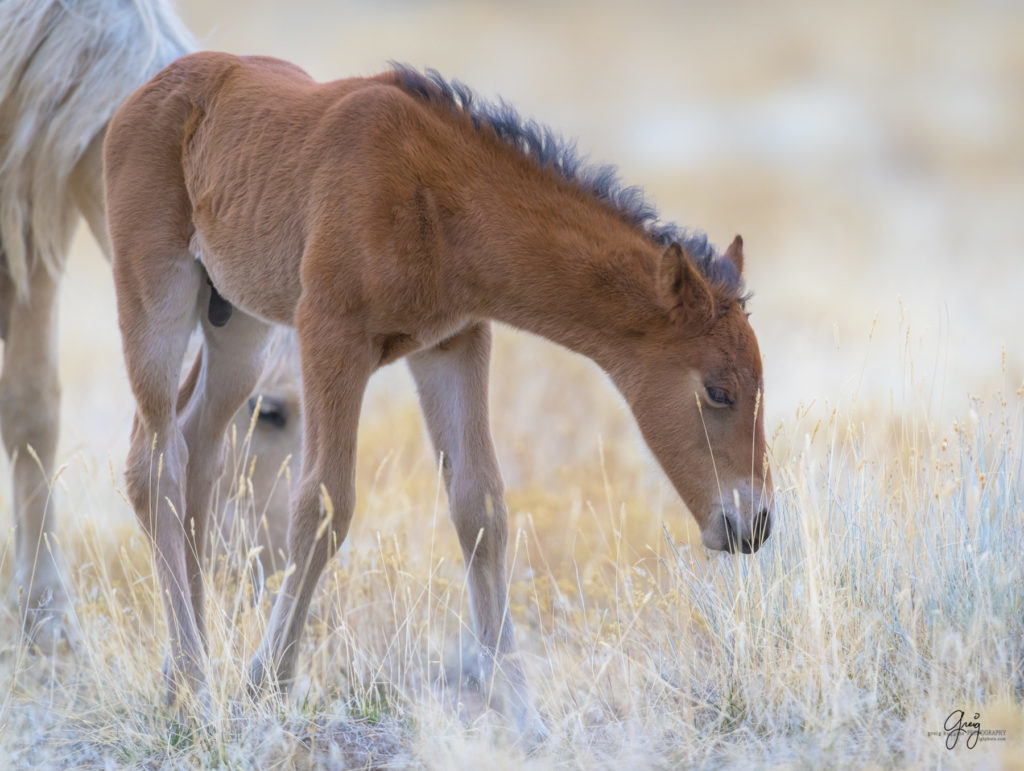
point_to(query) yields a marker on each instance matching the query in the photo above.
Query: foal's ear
(734, 254)
(681, 286)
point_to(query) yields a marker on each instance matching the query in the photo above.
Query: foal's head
(698, 399)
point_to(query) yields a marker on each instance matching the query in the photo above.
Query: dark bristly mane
(551, 150)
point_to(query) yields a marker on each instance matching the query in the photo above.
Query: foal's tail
(65, 68)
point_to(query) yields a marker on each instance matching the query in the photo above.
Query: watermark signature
(959, 724)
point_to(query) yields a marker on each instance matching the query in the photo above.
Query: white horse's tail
(65, 68)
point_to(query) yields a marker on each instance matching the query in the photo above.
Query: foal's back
(244, 161)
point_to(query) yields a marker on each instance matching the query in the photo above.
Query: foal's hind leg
(452, 384)
(157, 303)
(230, 365)
(29, 418)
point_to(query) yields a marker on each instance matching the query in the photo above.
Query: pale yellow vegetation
(870, 156)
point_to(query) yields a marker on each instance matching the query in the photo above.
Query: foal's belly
(257, 280)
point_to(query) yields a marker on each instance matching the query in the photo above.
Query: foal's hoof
(507, 697)
(526, 727)
(533, 733)
(186, 692)
(259, 682)
(191, 703)
(268, 675)
(196, 710)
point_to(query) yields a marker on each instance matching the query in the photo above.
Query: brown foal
(390, 217)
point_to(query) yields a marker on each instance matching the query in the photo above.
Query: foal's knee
(319, 522)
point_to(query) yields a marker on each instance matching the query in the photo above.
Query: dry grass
(870, 155)
(888, 596)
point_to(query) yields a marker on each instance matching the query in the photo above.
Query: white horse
(65, 68)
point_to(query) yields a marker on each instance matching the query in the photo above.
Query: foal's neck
(568, 267)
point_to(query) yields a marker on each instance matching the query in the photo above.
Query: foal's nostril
(731, 538)
(761, 528)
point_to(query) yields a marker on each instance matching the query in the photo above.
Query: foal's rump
(65, 67)
(236, 161)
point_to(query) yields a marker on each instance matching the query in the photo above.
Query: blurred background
(870, 154)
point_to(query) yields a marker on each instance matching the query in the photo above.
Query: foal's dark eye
(719, 396)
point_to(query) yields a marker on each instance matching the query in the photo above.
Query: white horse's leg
(336, 365)
(452, 384)
(156, 318)
(29, 418)
(231, 361)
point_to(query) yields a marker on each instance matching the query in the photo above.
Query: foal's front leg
(225, 374)
(452, 384)
(336, 365)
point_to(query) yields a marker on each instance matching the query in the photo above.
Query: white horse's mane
(53, 104)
